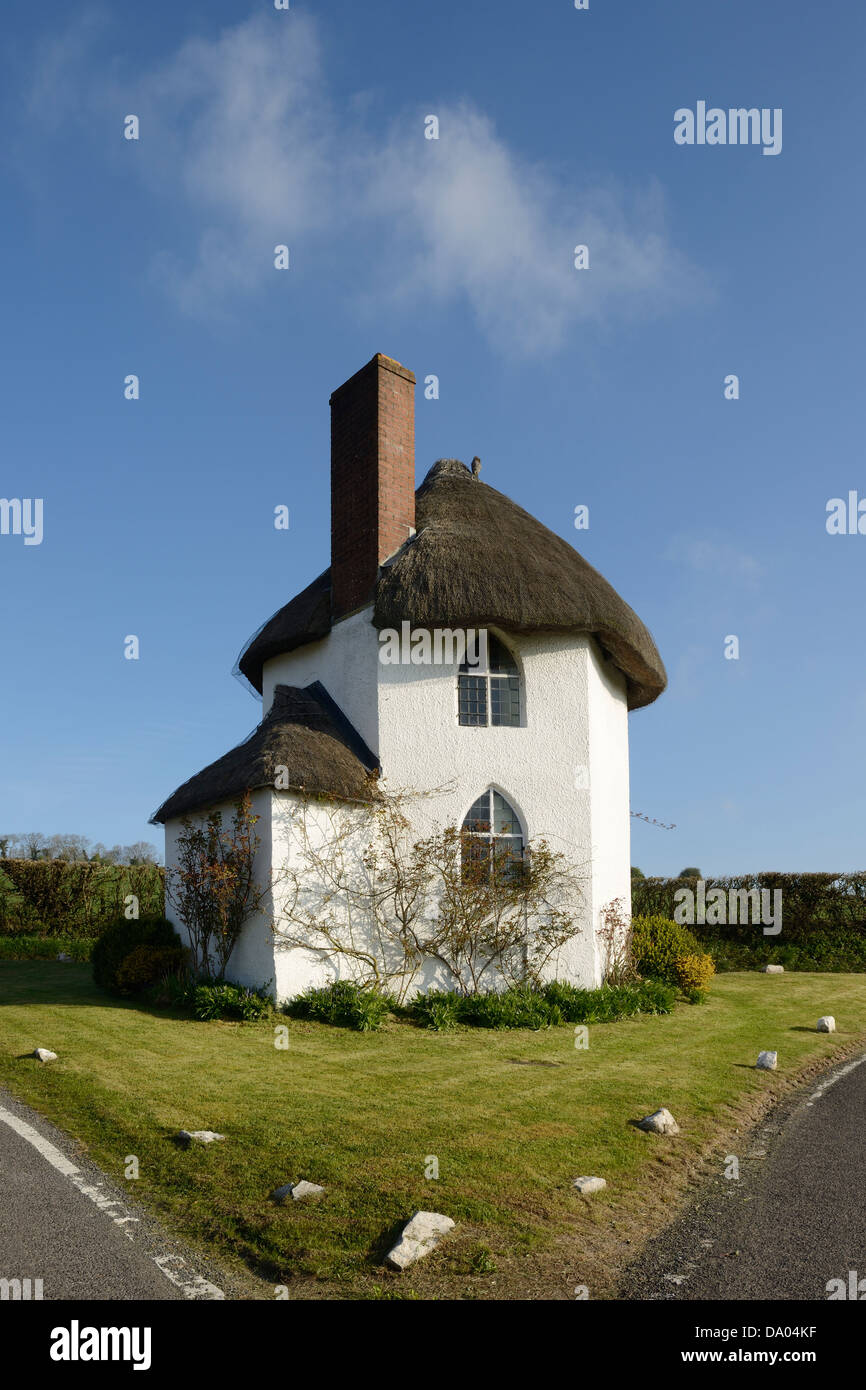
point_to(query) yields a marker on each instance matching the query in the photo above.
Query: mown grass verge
(510, 1117)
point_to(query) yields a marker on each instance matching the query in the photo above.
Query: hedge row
(58, 898)
(823, 920)
(809, 901)
(45, 948)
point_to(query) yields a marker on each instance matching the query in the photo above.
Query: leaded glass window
(491, 828)
(489, 694)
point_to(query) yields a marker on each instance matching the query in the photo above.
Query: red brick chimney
(372, 477)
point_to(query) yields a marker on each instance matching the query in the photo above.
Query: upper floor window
(489, 693)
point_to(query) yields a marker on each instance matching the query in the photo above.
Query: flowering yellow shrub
(665, 950)
(694, 972)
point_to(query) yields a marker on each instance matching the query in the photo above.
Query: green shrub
(694, 974)
(221, 999)
(610, 1002)
(663, 950)
(572, 1003)
(555, 1003)
(121, 939)
(210, 999)
(438, 1009)
(172, 991)
(344, 1003)
(148, 964)
(695, 996)
(519, 1007)
(653, 996)
(349, 1005)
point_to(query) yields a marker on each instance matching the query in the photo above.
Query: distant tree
(689, 873)
(142, 852)
(101, 855)
(75, 849)
(69, 847)
(636, 872)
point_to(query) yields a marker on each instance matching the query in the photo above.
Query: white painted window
(489, 694)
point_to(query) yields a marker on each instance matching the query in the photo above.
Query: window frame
(487, 675)
(490, 836)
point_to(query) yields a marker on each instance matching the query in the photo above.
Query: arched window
(491, 831)
(489, 693)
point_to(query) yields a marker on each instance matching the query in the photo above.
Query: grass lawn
(512, 1118)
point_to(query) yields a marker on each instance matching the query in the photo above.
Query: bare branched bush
(615, 939)
(362, 891)
(350, 892)
(213, 885)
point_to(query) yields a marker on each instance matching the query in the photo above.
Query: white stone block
(45, 1055)
(826, 1024)
(300, 1190)
(659, 1122)
(420, 1235)
(767, 1061)
(773, 970)
(297, 1191)
(201, 1136)
(586, 1186)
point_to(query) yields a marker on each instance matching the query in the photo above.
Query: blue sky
(602, 387)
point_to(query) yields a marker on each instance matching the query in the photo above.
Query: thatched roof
(305, 618)
(305, 732)
(477, 559)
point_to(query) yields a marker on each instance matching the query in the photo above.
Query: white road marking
(191, 1285)
(43, 1146)
(831, 1081)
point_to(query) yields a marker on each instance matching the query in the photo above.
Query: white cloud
(56, 88)
(473, 219)
(719, 558)
(235, 131)
(241, 130)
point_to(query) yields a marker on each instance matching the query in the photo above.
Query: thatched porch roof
(304, 732)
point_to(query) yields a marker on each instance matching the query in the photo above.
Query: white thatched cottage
(531, 742)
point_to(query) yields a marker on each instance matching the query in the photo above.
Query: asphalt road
(795, 1218)
(64, 1222)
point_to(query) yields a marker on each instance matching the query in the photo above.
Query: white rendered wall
(609, 789)
(564, 770)
(535, 767)
(346, 663)
(325, 825)
(252, 961)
